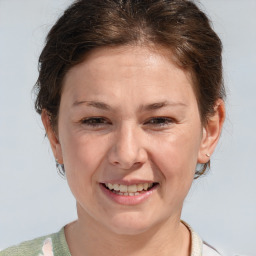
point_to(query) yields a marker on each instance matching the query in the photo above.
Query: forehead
(129, 70)
(128, 55)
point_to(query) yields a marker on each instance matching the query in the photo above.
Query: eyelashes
(97, 122)
(160, 121)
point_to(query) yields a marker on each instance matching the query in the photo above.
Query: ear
(211, 132)
(52, 136)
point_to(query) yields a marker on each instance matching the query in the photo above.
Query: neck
(86, 237)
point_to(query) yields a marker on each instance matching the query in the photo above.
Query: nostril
(126, 156)
(127, 166)
(137, 164)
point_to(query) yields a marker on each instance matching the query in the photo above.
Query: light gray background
(35, 201)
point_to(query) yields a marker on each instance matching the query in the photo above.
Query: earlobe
(211, 132)
(52, 136)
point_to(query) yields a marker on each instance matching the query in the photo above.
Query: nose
(127, 151)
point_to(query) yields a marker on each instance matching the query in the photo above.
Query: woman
(131, 97)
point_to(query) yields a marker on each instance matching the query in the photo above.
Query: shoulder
(198, 246)
(29, 248)
(42, 246)
(208, 250)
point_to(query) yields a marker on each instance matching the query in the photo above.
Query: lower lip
(128, 200)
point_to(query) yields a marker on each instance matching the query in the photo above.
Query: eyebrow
(158, 105)
(96, 104)
(148, 107)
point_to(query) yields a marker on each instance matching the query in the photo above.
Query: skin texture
(149, 130)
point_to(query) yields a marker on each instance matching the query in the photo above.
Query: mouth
(130, 190)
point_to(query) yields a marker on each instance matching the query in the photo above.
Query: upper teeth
(130, 189)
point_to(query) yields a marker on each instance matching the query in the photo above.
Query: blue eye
(95, 121)
(160, 121)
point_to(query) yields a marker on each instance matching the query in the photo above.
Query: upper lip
(128, 182)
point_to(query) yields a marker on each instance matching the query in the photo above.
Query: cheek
(82, 156)
(79, 148)
(176, 154)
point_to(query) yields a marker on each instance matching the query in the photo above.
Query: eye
(160, 121)
(95, 121)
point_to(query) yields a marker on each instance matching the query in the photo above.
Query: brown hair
(178, 25)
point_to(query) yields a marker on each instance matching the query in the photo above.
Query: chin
(130, 224)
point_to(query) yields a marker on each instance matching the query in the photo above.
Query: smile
(129, 190)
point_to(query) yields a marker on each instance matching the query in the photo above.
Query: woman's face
(129, 120)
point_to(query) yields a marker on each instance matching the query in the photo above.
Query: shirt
(56, 245)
